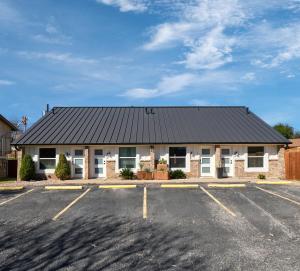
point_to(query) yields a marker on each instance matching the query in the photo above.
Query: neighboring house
(6, 135)
(295, 143)
(201, 141)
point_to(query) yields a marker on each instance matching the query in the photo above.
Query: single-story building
(295, 143)
(201, 141)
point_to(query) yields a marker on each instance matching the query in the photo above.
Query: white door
(99, 164)
(226, 159)
(78, 167)
(206, 162)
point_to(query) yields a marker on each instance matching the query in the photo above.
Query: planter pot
(143, 175)
(161, 175)
(162, 167)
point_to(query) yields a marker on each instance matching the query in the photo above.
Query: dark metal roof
(8, 123)
(150, 125)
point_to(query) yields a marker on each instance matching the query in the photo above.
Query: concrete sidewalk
(123, 182)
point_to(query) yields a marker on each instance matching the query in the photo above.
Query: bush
(127, 174)
(63, 170)
(177, 174)
(27, 169)
(261, 176)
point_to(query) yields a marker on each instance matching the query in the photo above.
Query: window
(127, 157)
(225, 151)
(177, 157)
(78, 152)
(98, 152)
(47, 158)
(256, 157)
(205, 151)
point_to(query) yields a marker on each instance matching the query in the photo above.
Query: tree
(297, 134)
(285, 129)
(27, 169)
(63, 170)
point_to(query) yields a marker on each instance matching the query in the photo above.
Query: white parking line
(145, 209)
(20, 195)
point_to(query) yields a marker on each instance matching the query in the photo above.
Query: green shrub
(261, 176)
(27, 169)
(127, 174)
(63, 170)
(177, 174)
(147, 170)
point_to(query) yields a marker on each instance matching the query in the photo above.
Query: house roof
(295, 143)
(8, 123)
(150, 125)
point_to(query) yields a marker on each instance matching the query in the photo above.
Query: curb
(128, 186)
(179, 186)
(226, 185)
(274, 182)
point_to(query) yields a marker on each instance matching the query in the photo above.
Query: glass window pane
(98, 170)
(78, 162)
(47, 163)
(177, 151)
(254, 162)
(78, 152)
(226, 170)
(78, 170)
(127, 152)
(98, 161)
(47, 153)
(256, 151)
(99, 152)
(205, 151)
(226, 160)
(177, 162)
(205, 160)
(127, 163)
(225, 152)
(205, 169)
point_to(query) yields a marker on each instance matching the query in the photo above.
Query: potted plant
(141, 174)
(148, 175)
(162, 165)
(161, 174)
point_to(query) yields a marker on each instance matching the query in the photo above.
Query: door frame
(103, 175)
(231, 163)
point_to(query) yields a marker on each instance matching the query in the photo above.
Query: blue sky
(142, 52)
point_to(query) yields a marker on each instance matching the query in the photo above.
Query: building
(295, 143)
(6, 136)
(202, 141)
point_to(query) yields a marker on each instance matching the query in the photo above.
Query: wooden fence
(292, 164)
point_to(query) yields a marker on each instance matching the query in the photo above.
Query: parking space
(182, 228)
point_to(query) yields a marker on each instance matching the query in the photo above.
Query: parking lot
(256, 227)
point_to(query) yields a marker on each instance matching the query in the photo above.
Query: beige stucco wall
(274, 160)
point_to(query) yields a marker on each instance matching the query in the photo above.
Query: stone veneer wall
(111, 169)
(195, 169)
(276, 168)
(146, 164)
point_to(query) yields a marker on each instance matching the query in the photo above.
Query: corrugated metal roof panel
(150, 125)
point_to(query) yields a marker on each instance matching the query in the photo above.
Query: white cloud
(199, 102)
(201, 28)
(126, 5)
(66, 58)
(8, 14)
(6, 82)
(205, 82)
(249, 76)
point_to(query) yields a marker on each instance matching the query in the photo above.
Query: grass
(7, 180)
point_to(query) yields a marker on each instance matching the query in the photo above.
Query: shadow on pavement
(106, 242)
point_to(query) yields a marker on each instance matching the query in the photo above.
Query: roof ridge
(157, 106)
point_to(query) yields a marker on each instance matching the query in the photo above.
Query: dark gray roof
(150, 125)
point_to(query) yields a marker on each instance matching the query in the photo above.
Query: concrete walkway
(123, 182)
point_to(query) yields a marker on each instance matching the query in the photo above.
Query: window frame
(185, 158)
(47, 158)
(206, 155)
(264, 158)
(128, 157)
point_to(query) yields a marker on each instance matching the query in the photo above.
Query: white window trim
(120, 157)
(47, 170)
(265, 168)
(184, 169)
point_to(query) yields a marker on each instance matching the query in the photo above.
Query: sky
(150, 52)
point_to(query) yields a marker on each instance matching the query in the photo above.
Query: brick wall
(111, 169)
(195, 169)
